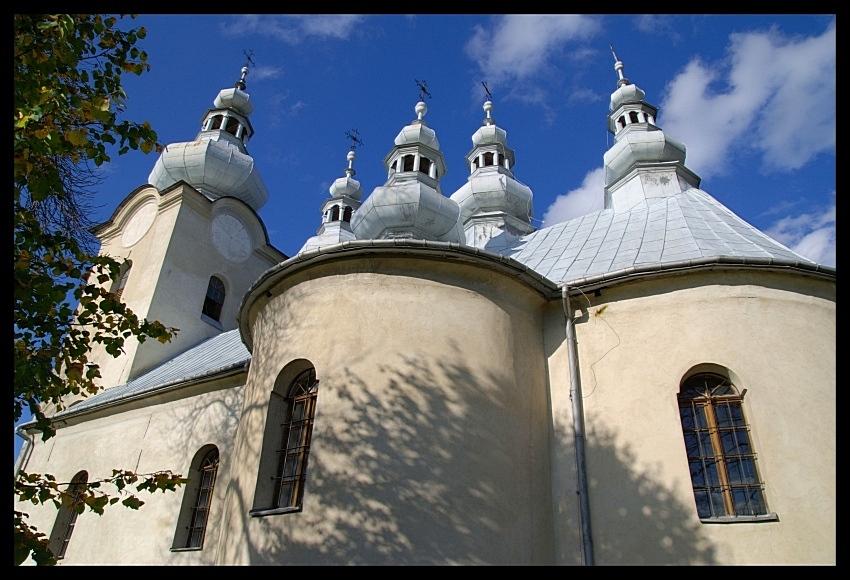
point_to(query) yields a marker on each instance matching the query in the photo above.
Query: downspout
(578, 430)
(26, 448)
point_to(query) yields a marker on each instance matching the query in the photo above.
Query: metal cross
(355, 141)
(614, 53)
(486, 90)
(422, 90)
(248, 54)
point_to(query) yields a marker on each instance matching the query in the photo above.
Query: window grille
(201, 508)
(214, 301)
(721, 457)
(66, 520)
(295, 444)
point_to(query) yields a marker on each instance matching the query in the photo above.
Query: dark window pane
(734, 471)
(703, 503)
(743, 439)
(711, 472)
(697, 473)
(692, 445)
(687, 415)
(705, 445)
(748, 471)
(718, 508)
(702, 422)
(729, 442)
(721, 411)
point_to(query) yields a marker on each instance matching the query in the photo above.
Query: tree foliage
(68, 100)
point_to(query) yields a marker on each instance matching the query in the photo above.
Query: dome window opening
(335, 213)
(621, 122)
(488, 159)
(424, 165)
(232, 125)
(633, 117)
(407, 163)
(346, 215)
(216, 122)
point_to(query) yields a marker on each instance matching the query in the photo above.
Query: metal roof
(209, 357)
(690, 225)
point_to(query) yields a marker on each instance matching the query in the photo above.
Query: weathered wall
(430, 437)
(163, 432)
(776, 332)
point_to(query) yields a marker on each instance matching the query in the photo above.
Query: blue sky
(752, 98)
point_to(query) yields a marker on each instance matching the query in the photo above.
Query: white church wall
(158, 433)
(430, 437)
(776, 333)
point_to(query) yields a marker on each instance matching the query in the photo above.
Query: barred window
(201, 510)
(66, 519)
(295, 442)
(123, 275)
(214, 301)
(721, 457)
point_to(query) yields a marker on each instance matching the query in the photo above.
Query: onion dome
(338, 210)
(217, 162)
(640, 146)
(495, 208)
(410, 204)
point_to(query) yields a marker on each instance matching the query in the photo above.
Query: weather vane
(486, 90)
(248, 54)
(355, 141)
(422, 90)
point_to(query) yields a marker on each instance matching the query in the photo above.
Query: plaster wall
(172, 265)
(430, 431)
(159, 433)
(776, 333)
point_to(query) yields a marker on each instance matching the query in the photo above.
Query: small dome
(626, 94)
(489, 134)
(236, 99)
(640, 147)
(346, 187)
(418, 131)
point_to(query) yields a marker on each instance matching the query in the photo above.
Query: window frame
(211, 304)
(718, 441)
(206, 460)
(282, 477)
(66, 519)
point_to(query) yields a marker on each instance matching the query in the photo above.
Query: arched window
(407, 163)
(334, 213)
(488, 159)
(194, 514)
(633, 116)
(66, 519)
(720, 452)
(216, 122)
(123, 275)
(287, 439)
(346, 215)
(424, 165)
(214, 301)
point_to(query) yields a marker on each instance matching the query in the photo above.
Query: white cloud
(811, 235)
(777, 98)
(587, 198)
(518, 45)
(293, 28)
(259, 73)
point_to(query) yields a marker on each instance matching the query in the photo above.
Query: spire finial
(240, 84)
(618, 66)
(423, 92)
(355, 141)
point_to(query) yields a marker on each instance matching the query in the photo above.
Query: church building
(432, 380)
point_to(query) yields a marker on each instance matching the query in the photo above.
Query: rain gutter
(578, 430)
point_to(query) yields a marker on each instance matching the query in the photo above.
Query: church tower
(495, 208)
(644, 164)
(411, 204)
(192, 238)
(338, 209)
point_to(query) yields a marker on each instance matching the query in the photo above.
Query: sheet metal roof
(689, 225)
(208, 357)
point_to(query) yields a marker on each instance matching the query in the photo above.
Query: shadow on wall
(408, 472)
(637, 520)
